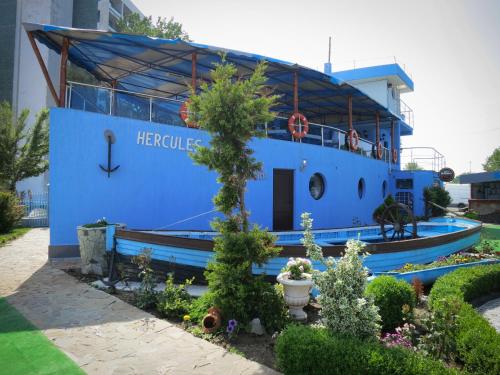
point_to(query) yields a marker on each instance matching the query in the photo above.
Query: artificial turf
(24, 350)
(491, 233)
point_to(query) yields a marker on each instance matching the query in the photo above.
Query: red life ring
(353, 139)
(293, 127)
(184, 115)
(379, 150)
(394, 155)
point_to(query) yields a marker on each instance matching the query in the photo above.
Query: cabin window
(361, 188)
(317, 186)
(404, 183)
(384, 189)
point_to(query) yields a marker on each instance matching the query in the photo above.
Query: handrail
(366, 147)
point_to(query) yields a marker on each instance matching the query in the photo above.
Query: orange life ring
(394, 156)
(293, 127)
(353, 140)
(379, 150)
(184, 115)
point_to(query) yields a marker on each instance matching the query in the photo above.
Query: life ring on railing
(380, 151)
(184, 115)
(394, 155)
(293, 127)
(353, 139)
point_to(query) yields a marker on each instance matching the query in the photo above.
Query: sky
(451, 49)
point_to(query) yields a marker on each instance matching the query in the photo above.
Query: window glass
(317, 186)
(361, 188)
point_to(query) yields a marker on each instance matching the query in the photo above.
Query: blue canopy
(163, 67)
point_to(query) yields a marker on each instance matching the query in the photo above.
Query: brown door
(282, 199)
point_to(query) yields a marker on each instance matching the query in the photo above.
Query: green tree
(493, 161)
(231, 109)
(22, 152)
(163, 28)
(413, 166)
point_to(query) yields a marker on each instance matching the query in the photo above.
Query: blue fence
(36, 210)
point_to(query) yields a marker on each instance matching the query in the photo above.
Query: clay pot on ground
(212, 321)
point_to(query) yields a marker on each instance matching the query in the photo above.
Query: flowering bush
(345, 308)
(403, 336)
(459, 258)
(297, 267)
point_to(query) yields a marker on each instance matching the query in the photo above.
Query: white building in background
(21, 80)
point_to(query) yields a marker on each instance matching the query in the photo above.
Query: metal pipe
(295, 92)
(193, 71)
(349, 105)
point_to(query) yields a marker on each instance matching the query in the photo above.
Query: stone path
(101, 333)
(491, 311)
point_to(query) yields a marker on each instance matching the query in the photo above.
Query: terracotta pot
(212, 321)
(296, 294)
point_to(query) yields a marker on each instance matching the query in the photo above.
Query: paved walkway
(491, 311)
(101, 333)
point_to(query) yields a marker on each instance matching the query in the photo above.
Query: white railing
(162, 110)
(340, 65)
(427, 158)
(406, 113)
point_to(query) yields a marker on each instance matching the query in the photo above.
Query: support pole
(349, 104)
(392, 135)
(62, 72)
(377, 129)
(295, 92)
(42, 66)
(114, 84)
(193, 71)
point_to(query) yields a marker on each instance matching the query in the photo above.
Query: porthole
(317, 186)
(361, 188)
(384, 189)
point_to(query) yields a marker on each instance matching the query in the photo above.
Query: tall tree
(163, 28)
(413, 166)
(22, 152)
(493, 161)
(230, 110)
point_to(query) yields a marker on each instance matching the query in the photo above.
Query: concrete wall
(157, 186)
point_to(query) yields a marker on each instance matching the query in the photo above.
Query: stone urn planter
(296, 294)
(92, 242)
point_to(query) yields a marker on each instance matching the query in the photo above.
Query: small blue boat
(428, 276)
(187, 253)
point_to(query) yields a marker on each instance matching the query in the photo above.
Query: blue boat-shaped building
(119, 148)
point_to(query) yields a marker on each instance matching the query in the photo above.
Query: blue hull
(195, 253)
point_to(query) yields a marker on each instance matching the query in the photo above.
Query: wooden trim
(299, 250)
(62, 72)
(42, 66)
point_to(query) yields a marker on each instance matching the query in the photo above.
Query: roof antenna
(328, 65)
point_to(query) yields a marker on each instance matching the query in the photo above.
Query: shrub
(476, 340)
(345, 308)
(439, 196)
(303, 350)
(390, 295)
(174, 301)
(234, 289)
(379, 211)
(199, 307)
(10, 211)
(146, 296)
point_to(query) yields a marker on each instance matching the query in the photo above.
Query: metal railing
(406, 113)
(427, 158)
(162, 110)
(36, 210)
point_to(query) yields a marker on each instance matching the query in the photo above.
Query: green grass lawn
(25, 350)
(491, 233)
(12, 235)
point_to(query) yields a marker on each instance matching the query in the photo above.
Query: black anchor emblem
(110, 138)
